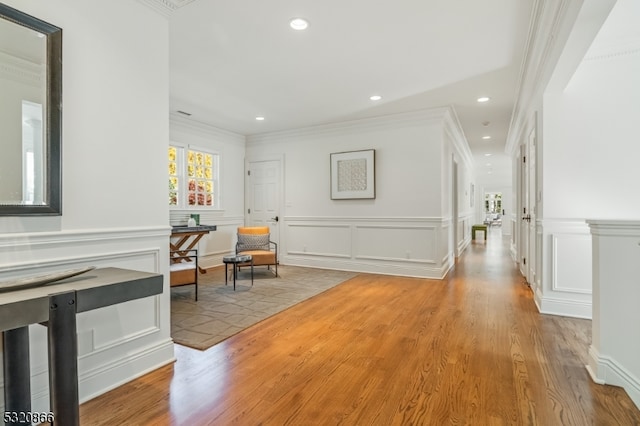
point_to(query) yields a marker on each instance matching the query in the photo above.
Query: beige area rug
(221, 312)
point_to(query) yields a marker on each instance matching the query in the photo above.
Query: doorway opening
(493, 210)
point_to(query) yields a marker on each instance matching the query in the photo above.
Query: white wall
(230, 215)
(402, 231)
(562, 281)
(455, 150)
(614, 354)
(591, 152)
(114, 148)
(588, 162)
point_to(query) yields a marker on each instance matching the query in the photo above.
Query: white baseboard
(120, 371)
(606, 370)
(417, 270)
(563, 307)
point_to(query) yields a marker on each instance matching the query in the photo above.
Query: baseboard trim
(606, 370)
(563, 307)
(417, 270)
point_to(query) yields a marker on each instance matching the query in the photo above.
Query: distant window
(193, 178)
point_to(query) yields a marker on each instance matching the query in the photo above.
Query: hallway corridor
(385, 350)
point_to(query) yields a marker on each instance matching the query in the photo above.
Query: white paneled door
(263, 195)
(528, 208)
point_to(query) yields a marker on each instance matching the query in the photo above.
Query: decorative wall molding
(615, 354)
(563, 307)
(620, 53)
(115, 343)
(424, 116)
(563, 285)
(43, 239)
(576, 247)
(548, 29)
(614, 228)
(165, 7)
(453, 129)
(606, 370)
(385, 245)
(21, 71)
(178, 122)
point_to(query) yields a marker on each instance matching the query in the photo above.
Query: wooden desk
(56, 305)
(187, 239)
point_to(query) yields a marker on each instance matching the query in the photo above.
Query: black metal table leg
(235, 272)
(17, 375)
(63, 359)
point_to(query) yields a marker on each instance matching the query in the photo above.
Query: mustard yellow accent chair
(256, 241)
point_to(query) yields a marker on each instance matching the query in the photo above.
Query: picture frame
(472, 195)
(353, 175)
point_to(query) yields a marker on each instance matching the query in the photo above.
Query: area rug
(221, 312)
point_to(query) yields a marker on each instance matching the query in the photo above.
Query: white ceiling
(233, 60)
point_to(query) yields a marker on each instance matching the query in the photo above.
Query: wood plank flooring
(380, 350)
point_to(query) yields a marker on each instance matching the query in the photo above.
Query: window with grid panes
(193, 178)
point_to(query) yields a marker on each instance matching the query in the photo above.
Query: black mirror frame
(53, 131)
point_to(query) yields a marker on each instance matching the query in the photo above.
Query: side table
(235, 260)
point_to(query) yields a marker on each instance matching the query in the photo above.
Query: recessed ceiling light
(375, 97)
(484, 99)
(487, 155)
(299, 24)
(486, 137)
(260, 118)
(488, 164)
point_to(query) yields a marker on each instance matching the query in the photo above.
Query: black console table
(56, 305)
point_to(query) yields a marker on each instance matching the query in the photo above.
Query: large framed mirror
(30, 115)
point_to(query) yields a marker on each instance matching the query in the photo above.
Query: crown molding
(19, 70)
(548, 20)
(560, 33)
(423, 116)
(615, 52)
(165, 7)
(178, 122)
(453, 128)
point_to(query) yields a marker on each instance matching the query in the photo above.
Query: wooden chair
(256, 241)
(183, 269)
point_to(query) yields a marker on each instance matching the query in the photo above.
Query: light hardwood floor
(382, 350)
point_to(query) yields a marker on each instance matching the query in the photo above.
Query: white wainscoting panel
(394, 246)
(565, 284)
(395, 243)
(571, 263)
(319, 239)
(116, 343)
(614, 356)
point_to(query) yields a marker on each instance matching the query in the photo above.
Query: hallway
(380, 350)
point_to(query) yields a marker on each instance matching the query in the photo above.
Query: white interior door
(528, 211)
(524, 210)
(454, 208)
(531, 213)
(263, 195)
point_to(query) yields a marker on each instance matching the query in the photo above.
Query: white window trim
(181, 164)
